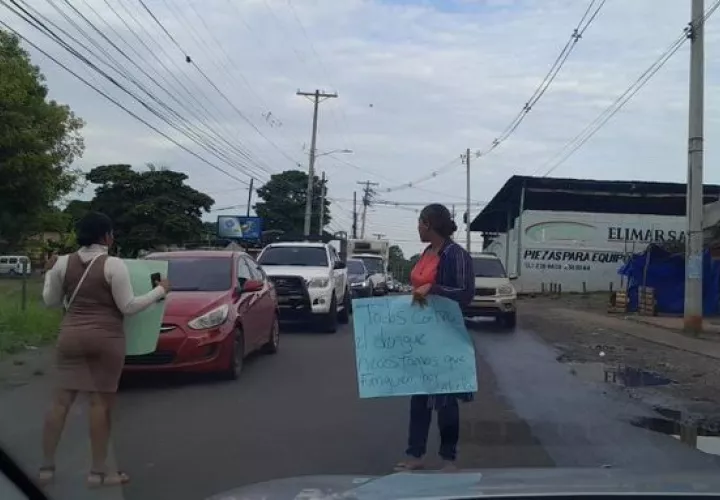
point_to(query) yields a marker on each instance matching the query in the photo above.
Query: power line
(119, 105)
(585, 21)
(222, 94)
(183, 128)
(591, 129)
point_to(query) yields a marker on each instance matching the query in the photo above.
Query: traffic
(228, 304)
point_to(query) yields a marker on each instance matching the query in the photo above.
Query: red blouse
(425, 270)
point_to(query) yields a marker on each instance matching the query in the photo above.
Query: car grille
(154, 358)
(288, 285)
(485, 292)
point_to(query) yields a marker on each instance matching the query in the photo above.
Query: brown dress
(91, 343)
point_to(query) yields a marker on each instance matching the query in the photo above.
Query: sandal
(46, 475)
(98, 479)
(409, 466)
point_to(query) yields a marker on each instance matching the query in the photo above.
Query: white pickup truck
(375, 255)
(310, 282)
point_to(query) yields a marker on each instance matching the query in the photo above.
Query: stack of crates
(618, 302)
(647, 305)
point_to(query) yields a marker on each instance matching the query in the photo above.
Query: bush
(35, 326)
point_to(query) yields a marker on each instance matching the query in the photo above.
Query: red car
(221, 308)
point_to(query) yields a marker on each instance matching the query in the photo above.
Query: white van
(494, 294)
(13, 265)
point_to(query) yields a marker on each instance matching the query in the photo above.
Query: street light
(343, 151)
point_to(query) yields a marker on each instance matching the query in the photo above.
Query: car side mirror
(340, 265)
(513, 277)
(252, 286)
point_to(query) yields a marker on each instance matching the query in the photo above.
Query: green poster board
(142, 330)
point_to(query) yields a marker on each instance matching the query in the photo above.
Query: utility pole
(467, 199)
(693, 318)
(250, 191)
(317, 97)
(368, 192)
(322, 204)
(354, 221)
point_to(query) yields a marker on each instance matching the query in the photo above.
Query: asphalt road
(297, 413)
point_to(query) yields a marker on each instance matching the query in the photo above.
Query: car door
(339, 275)
(247, 307)
(265, 301)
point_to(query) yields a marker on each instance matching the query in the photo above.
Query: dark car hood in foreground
(471, 484)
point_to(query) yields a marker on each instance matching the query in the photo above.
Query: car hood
(473, 484)
(304, 271)
(356, 278)
(191, 304)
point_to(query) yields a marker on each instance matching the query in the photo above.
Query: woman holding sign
(446, 269)
(96, 292)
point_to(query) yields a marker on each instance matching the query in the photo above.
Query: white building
(573, 232)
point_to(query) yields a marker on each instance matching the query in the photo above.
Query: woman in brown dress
(96, 292)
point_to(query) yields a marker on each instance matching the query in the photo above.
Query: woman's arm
(118, 277)
(53, 292)
(458, 266)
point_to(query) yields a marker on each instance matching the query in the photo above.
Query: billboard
(239, 227)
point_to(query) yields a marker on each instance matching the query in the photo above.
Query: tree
(283, 205)
(149, 208)
(39, 139)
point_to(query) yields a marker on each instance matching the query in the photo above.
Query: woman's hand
(50, 263)
(165, 284)
(420, 294)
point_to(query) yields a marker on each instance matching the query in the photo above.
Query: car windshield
(294, 256)
(373, 264)
(488, 268)
(199, 274)
(355, 267)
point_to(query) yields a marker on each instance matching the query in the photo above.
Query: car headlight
(320, 282)
(366, 283)
(211, 319)
(506, 290)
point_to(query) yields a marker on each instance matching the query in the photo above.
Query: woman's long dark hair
(439, 219)
(92, 228)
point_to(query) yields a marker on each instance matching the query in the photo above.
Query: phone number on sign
(556, 267)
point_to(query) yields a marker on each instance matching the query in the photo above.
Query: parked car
(311, 282)
(221, 308)
(359, 279)
(494, 294)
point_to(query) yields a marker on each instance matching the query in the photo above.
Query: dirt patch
(582, 331)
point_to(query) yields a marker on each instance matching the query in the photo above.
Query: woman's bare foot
(410, 464)
(449, 466)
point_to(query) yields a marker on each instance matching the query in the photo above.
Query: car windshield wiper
(186, 289)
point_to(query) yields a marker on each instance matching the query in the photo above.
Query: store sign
(570, 260)
(643, 235)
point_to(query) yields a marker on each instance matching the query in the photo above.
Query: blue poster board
(404, 349)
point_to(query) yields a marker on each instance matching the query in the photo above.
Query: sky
(418, 82)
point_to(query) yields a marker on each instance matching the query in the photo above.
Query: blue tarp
(666, 274)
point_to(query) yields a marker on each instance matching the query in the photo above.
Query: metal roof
(583, 195)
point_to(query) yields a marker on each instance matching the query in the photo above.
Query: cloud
(418, 82)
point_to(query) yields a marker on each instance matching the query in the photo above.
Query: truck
(375, 255)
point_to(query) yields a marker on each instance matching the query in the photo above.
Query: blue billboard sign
(239, 227)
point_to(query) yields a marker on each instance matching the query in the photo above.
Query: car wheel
(344, 315)
(273, 343)
(330, 320)
(237, 360)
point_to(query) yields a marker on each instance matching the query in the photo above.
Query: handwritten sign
(142, 330)
(403, 349)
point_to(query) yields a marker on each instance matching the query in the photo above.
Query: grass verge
(34, 326)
